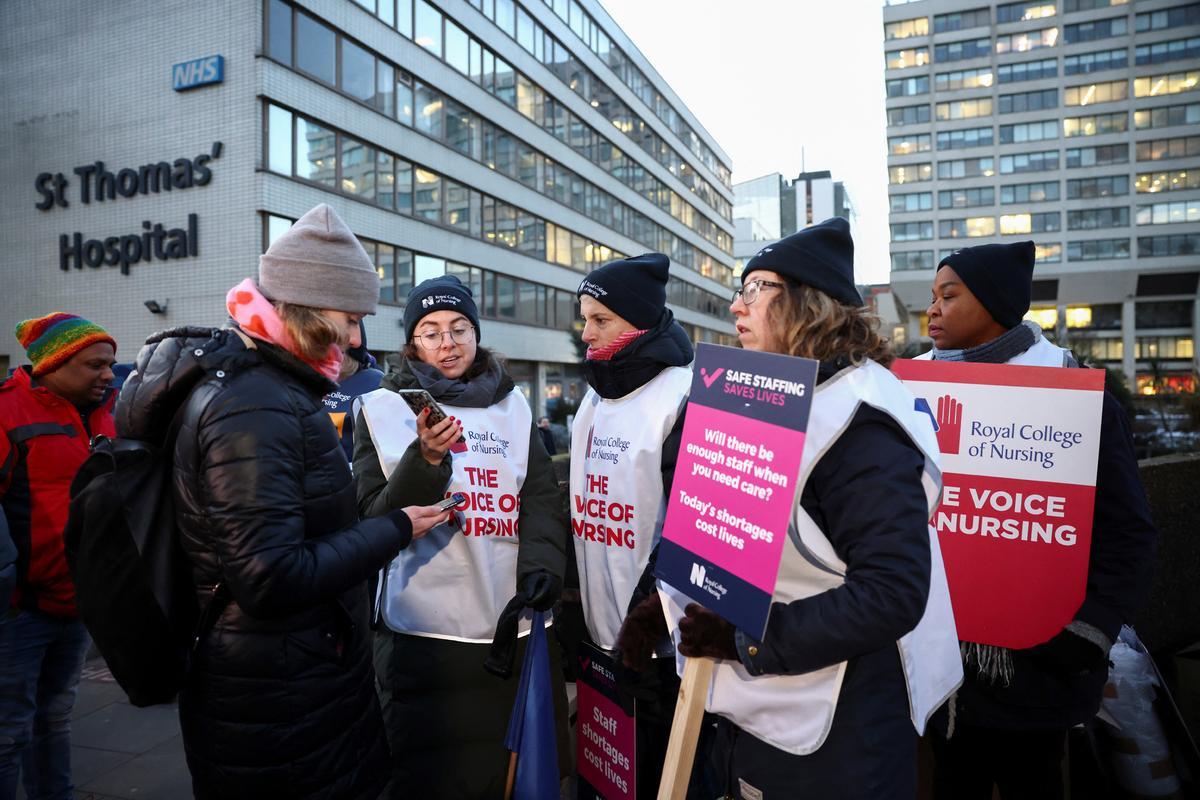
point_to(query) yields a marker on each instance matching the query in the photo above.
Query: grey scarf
(1003, 348)
(479, 392)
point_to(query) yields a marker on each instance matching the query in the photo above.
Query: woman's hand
(424, 518)
(436, 440)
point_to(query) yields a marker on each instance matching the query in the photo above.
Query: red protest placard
(1019, 448)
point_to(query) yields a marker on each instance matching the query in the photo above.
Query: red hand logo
(949, 419)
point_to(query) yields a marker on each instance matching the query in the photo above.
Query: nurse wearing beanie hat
(860, 647)
(280, 699)
(445, 600)
(637, 369)
(1013, 710)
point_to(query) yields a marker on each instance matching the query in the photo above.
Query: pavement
(120, 752)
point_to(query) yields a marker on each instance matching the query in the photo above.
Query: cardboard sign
(605, 744)
(735, 480)
(1019, 449)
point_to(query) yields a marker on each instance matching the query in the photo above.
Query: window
(1170, 347)
(1089, 5)
(1027, 70)
(1084, 63)
(1028, 192)
(966, 137)
(909, 173)
(906, 28)
(906, 87)
(1169, 213)
(1173, 83)
(1097, 249)
(1166, 313)
(1020, 12)
(911, 231)
(1093, 93)
(1174, 17)
(358, 72)
(1028, 101)
(1044, 161)
(1096, 125)
(428, 27)
(429, 107)
(970, 227)
(427, 195)
(1097, 156)
(1095, 29)
(316, 149)
(1162, 52)
(385, 179)
(1104, 186)
(1047, 222)
(961, 20)
(279, 32)
(1090, 219)
(1029, 132)
(1047, 252)
(458, 50)
(959, 51)
(903, 59)
(316, 49)
(912, 143)
(1179, 244)
(913, 259)
(1029, 40)
(404, 172)
(967, 198)
(357, 165)
(907, 115)
(1160, 149)
(963, 79)
(918, 201)
(1177, 181)
(965, 109)
(966, 168)
(279, 140)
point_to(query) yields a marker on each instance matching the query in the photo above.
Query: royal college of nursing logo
(947, 423)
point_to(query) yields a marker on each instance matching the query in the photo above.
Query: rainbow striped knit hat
(50, 341)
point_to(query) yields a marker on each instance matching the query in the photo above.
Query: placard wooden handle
(685, 728)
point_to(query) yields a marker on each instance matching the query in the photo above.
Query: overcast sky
(769, 77)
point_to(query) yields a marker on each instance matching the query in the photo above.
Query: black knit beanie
(632, 288)
(820, 256)
(999, 275)
(443, 293)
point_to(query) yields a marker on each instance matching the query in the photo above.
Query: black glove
(704, 634)
(1069, 654)
(541, 590)
(640, 632)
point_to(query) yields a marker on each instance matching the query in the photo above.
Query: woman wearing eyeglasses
(439, 603)
(860, 645)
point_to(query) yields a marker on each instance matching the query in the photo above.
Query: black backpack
(133, 582)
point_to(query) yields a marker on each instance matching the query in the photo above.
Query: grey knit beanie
(318, 262)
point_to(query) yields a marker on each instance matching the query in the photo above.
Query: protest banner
(1019, 448)
(606, 737)
(732, 497)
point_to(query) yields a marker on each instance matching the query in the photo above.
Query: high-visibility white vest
(453, 584)
(795, 712)
(1043, 353)
(617, 502)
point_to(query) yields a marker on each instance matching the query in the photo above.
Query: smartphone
(418, 400)
(451, 501)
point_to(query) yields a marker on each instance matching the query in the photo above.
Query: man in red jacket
(49, 411)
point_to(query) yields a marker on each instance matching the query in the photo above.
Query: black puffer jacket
(281, 699)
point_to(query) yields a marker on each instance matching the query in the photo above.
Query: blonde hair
(814, 325)
(311, 331)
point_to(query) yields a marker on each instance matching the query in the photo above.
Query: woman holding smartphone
(860, 646)
(440, 601)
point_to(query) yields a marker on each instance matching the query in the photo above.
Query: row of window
(1051, 253)
(296, 38)
(316, 46)
(1076, 189)
(1176, 16)
(515, 21)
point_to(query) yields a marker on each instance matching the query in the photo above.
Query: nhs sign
(198, 72)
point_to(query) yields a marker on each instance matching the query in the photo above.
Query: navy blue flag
(531, 727)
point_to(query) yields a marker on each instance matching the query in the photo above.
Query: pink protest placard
(606, 738)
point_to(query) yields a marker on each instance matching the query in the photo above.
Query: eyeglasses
(433, 339)
(749, 292)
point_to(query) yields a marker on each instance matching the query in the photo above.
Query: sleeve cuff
(748, 650)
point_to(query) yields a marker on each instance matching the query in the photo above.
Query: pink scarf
(608, 351)
(256, 316)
